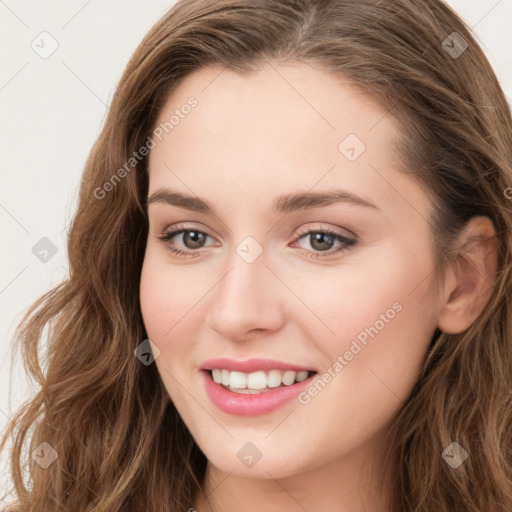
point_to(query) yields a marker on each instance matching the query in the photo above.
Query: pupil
(195, 237)
(320, 237)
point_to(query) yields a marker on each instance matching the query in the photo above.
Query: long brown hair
(120, 443)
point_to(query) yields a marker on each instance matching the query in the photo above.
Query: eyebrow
(282, 204)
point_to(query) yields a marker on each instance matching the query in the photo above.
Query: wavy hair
(121, 443)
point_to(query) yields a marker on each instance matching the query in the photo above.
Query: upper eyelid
(302, 232)
(308, 229)
(316, 226)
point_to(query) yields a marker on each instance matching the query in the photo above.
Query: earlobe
(472, 276)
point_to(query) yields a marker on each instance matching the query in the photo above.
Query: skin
(249, 140)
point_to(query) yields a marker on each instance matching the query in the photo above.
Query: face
(336, 282)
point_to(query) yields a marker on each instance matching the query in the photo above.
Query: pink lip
(251, 405)
(250, 365)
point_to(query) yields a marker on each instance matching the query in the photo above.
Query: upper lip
(251, 365)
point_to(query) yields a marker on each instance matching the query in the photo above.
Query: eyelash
(347, 243)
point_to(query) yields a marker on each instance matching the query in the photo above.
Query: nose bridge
(246, 297)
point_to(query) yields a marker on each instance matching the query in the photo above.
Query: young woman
(290, 274)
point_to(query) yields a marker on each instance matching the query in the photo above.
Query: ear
(471, 276)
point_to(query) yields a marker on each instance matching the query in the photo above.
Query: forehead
(306, 98)
(282, 125)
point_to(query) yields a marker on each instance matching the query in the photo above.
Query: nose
(248, 299)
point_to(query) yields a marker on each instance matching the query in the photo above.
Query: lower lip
(242, 404)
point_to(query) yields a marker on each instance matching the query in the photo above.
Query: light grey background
(52, 110)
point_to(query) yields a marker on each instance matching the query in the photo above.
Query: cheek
(381, 335)
(156, 305)
(354, 303)
(380, 322)
(169, 302)
(167, 298)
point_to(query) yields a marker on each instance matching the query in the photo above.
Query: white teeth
(249, 391)
(274, 379)
(288, 377)
(256, 382)
(301, 376)
(237, 380)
